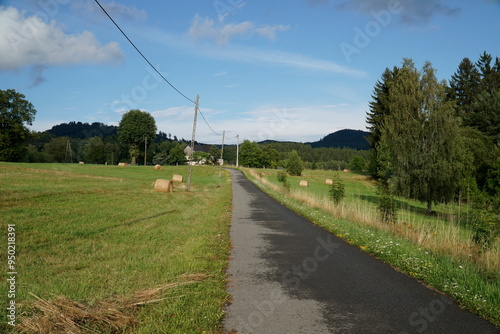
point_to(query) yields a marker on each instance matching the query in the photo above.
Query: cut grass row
(436, 250)
(94, 233)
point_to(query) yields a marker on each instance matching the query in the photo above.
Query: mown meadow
(99, 251)
(438, 250)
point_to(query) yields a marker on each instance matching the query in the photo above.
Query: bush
(357, 163)
(283, 179)
(485, 226)
(294, 164)
(337, 190)
(387, 209)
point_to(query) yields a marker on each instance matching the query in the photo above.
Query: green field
(101, 236)
(435, 249)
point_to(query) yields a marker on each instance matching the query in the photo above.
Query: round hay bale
(304, 183)
(329, 182)
(165, 186)
(177, 178)
(123, 164)
(81, 163)
(346, 170)
(158, 167)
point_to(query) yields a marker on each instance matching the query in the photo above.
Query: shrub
(337, 190)
(282, 177)
(485, 227)
(357, 163)
(387, 209)
(294, 164)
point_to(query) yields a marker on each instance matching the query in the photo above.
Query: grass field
(98, 239)
(436, 249)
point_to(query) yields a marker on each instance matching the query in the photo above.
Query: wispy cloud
(281, 58)
(116, 10)
(203, 28)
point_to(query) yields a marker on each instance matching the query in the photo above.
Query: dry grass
(116, 315)
(442, 237)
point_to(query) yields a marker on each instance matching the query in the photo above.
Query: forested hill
(355, 139)
(79, 130)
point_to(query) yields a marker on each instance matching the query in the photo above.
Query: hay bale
(81, 163)
(329, 182)
(177, 178)
(158, 167)
(304, 183)
(123, 164)
(165, 186)
(346, 170)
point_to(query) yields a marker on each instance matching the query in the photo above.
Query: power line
(154, 68)
(217, 134)
(143, 56)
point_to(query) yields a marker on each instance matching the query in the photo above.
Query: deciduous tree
(15, 113)
(294, 164)
(135, 127)
(421, 137)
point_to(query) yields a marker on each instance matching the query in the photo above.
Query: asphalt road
(289, 276)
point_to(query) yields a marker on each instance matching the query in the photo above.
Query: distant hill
(81, 130)
(355, 139)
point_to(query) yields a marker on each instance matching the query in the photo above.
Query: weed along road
(287, 275)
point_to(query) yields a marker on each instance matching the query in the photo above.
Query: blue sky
(284, 70)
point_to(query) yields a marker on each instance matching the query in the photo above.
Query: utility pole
(188, 185)
(68, 150)
(237, 151)
(221, 162)
(145, 149)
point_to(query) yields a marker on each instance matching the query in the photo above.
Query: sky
(292, 70)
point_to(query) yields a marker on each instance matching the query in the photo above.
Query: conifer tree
(464, 86)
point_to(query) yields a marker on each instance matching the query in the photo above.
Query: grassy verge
(97, 236)
(436, 250)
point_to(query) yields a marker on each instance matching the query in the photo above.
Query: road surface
(287, 275)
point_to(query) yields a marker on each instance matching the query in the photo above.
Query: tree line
(137, 138)
(438, 141)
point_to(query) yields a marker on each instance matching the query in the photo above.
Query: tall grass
(443, 234)
(438, 250)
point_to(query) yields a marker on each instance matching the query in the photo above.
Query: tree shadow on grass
(400, 204)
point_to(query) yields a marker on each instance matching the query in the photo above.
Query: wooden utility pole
(70, 151)
(190, 167)
(237, 151)
(145, 149)
(221, 161)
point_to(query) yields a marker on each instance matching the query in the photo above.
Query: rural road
(287, 275)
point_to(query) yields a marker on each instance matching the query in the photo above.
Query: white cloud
(174, 113)
(286, 123)
(30, 42)
(206, 28)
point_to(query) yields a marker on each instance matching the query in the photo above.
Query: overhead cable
(143, 56)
